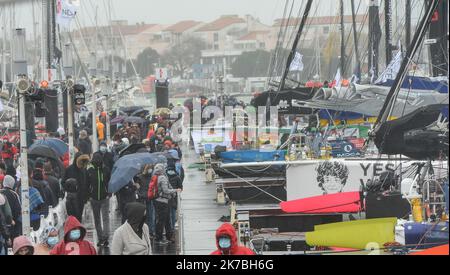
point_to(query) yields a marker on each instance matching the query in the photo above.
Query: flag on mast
(337, 78)
(66, 10)
(297, 63)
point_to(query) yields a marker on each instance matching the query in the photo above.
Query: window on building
(216, 47)
(326, 30)
(216, 37)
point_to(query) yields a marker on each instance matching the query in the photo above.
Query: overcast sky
(172, 11)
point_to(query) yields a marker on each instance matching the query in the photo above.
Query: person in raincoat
(133, 237)
(73, 242)
(100, 130)
(227, 242)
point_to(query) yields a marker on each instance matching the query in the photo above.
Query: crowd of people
(147, 204)
(84, 181)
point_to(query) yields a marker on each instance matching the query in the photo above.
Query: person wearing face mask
(132, 238)
(73, 242)
(98, 176)
(48, 240)
(227, 242)
(108, 158)
(23, 246)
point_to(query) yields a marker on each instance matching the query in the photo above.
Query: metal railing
(180, 221)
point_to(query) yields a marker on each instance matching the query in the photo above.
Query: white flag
(66, 10)
(337, 78)
(391, 70)
(297, 63)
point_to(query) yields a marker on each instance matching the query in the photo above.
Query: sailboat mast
(374, 39)
(408, 23)
(388, 29)
(355, 41)
(417, 40)
(438, 37)
(294, 46)
(342, 39)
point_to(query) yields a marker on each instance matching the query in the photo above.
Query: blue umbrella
(58, 145)
(129, 166)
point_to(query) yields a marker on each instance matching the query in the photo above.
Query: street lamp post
(22, 87)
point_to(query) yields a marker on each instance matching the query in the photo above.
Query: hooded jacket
(227, 229)
(67, 247)
(12, 197)
(73, 171)
(132, 238)
(98, 176)
(108, 157)
(21, 242)
(85, 145)
(165, 192)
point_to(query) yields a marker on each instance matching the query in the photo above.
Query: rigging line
(290, 38)
(267, 193)
(283, 37)
(277, 47)
(295, 44)
(410, 83)
(129, 58)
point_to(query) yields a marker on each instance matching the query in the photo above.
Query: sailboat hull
(361, 234)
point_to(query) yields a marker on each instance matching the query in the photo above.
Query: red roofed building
(182, 29)
(255, 40)
(220, 33)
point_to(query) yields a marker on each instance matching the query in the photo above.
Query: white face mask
(103, 149)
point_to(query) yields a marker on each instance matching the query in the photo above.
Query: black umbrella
(131, 109)
(140, 112)
(134, 119)
(131, 149)
(43, 151)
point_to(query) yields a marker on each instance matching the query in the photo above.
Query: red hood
(72, 223)
(227, 229)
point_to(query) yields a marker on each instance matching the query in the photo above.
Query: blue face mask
(75, 234)
(224, 243)
(52, 241)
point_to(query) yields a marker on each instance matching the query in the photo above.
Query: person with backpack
(5, 225)
(161, 195)
(7, 189)
(98, 175)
